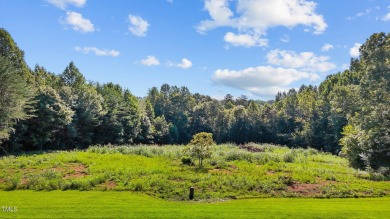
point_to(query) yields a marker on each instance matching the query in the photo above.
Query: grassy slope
(157, 171)
(96, 204)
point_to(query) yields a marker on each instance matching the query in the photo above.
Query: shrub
(12, 182)
(286, 179)
(186, 160)
(289, 157)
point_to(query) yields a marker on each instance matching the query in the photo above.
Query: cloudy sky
(214, 47)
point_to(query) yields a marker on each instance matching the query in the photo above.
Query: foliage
(15, 98)
(43, 130)
(186, 160)
(10, 50)
(366, 138)
(200, 146)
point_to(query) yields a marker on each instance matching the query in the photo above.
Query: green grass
(97, 204)
(231, 173)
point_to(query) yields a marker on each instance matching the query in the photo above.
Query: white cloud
(268, 92)
(263, 81)
(78, 23)
(366, 12)
(138, 26)
(255, 17)
(305, 61)
(286, 68)
(185, 63)
(327, 47)
(63, 4)
(170, 1)
(386, 17)
(220, 13)
(150, 61)
(218, 96)
(246, 40)
(98, 52)
(354, 51)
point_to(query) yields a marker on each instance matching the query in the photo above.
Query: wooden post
(192, 191)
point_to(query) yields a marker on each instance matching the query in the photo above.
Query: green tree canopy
(200, 146)
(15, 97)
(10, 50)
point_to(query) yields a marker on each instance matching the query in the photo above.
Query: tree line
(347, 114)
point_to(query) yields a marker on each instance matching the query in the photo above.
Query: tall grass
(231, 172)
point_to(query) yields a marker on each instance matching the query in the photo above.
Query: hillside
(232, 172)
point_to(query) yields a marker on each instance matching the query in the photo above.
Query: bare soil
(307, 189)
(75, 170)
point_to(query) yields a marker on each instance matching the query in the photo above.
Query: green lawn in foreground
(97, 204)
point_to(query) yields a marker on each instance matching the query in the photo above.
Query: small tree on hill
(200, 146)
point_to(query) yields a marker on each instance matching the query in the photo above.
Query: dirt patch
(58, 169)
(307, 189)
(251, 148)
(27, 170)
(223, 171)
(24, 181)
(76, 170)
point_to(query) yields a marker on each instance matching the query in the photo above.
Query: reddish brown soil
(76, 171)
(24, 181)
(307, 189)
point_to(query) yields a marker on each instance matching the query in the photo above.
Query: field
(97, 204)
(231, 173)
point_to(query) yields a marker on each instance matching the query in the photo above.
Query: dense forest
(348, 114)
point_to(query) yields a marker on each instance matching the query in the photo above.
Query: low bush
(186, 160)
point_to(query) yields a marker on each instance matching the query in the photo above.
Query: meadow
(232, 172)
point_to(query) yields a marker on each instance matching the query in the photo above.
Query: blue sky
(214, 47)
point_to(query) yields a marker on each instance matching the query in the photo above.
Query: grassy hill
(232, 172)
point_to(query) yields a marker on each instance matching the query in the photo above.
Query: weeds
(249, 171)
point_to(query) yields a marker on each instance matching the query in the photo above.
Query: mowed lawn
(99, 204)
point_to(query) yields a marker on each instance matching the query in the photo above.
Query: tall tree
(15, 98)
(10, 50)
(368, 131)
(85, 101)
(46, 129)
(130, 117)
